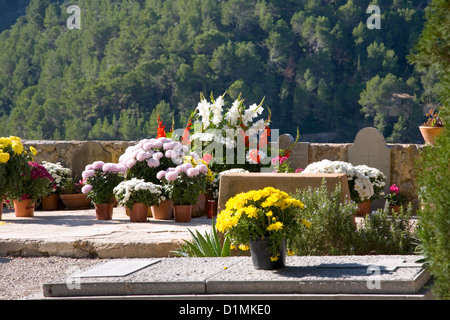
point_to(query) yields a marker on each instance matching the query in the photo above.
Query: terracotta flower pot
(51, 202)
(183, 213)
(104, 211)
(429, 134)
(75, 201)
(163, 211)
(363, 208)
(139, 213)
(24, 208)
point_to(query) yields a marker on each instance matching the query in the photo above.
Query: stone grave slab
(116, 268)
(232, 276)
(89, 152)
(300, 151)
(369, 148)
(234, 183)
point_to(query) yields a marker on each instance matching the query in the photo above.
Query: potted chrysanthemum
(137, 195)
(61, 177)
(263, 221)
(14, 159)
(183, 184)
(101, 179)
(37, 183)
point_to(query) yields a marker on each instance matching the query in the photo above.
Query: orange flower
(160, 131)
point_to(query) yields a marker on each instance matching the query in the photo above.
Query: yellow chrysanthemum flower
(273, 258)
(290, 253)
(275, 226)
(33, 151)
(4, 157)
(306, 223)
(17, 147)
(244, 247)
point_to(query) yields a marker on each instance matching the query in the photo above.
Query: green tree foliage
(312, 61)
(432, 56)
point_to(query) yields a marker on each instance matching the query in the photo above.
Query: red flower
(395, 189)
(160, 131)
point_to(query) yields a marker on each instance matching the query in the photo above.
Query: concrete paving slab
(231, 276)
(77, 233)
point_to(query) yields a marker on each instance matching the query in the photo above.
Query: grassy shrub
(386, 232)
(333, 230)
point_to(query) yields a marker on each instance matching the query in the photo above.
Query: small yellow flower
(244, 247)
(275, 226)
(273, 258)
(290, 252)
(33, 151)
(269, 214)
(232, 246)
(306, 223)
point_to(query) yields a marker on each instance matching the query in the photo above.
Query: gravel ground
(24, 276)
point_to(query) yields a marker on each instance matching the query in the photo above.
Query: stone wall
(77, 154)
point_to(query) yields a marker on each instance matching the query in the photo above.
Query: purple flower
(192, 172)
(202, 168)
(158, 155)
(161, 174)
(87, 174)
(153, 163)
(130, 163)
(86, 188)
(98, 165)
(158, 144)
(171, 176)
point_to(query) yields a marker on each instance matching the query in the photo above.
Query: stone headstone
(300, 151)
(234, 183)
(89, 152)
(369, 148)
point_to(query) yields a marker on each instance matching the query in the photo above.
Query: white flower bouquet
(62, 176)
(133, 191)
(150, 156)
(376, 177)
(222, 126)
(361, 188)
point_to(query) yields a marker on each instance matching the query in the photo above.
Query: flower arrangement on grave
(101, 179)
(149, 156)
(394, 198)
(377, 179)
(281, 162)
(361, 188)
(214, 125)
(14, 158)
(130, 192)
(37, 183)
(184, 183)
(268, 213)
(62, 176)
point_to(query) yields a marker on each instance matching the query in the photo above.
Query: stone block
(234, 183)
(89, 152)
(369, 148)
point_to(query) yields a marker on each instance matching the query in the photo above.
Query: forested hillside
(318, 65)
